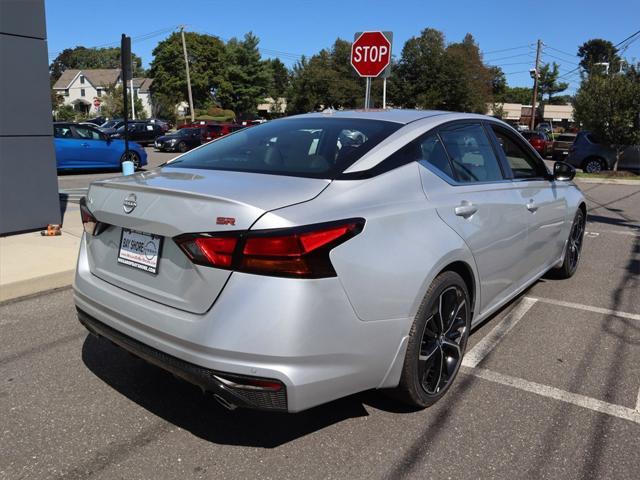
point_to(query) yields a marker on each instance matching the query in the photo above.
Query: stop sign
(370, 54)
(96, 102)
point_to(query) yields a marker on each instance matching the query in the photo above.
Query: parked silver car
(592, 156)
(281, 267)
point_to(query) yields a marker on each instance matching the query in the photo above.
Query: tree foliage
(515, 95)
(280, 78)
(85, 58)
(246, 78)
(596, 51)
(206, 55)
(548, 81)
(325, 80)
(113, 104)
(432, 74)
(609, 106)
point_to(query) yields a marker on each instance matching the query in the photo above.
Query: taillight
(293, 252)
(89, 222)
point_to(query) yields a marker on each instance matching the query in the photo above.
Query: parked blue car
(84, 147)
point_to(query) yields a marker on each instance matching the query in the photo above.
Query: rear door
(542, 200)
(64, 145)
(473, 197)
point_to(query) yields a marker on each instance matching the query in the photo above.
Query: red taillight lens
(298, 252)
(209, 250)
(89, 222)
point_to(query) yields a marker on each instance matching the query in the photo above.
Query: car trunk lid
(171, 202)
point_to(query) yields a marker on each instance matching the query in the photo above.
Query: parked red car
(211, 131)
(540, 141)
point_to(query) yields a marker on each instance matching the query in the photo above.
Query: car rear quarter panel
(386, 269)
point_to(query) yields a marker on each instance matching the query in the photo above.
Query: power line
(139, 38)
(573, 55)
(558, 58)
(508, 64)
(510, 56)
(629, 37)
(507, 49)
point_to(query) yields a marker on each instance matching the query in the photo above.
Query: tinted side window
(471, 153)
(432, 152)
(62, 132)
(522, 163)
(87, 133)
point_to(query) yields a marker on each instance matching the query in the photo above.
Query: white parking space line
(638, 403)
(488, 343)
(589, 308)
(557, 394)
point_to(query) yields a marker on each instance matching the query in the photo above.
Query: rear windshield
(566, 138)
(305, 147)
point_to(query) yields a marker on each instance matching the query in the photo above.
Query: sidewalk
(31, 263)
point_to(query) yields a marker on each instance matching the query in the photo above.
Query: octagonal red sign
(370, 54)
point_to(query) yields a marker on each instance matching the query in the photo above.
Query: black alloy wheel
(573, 248)
(182, 147)
(437, 342)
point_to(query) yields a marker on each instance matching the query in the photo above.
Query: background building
(28, 178)
(84, 89)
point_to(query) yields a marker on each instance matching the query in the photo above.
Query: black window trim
(526, 146)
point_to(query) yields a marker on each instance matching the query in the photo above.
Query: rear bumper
(208, 380)
(302, 333)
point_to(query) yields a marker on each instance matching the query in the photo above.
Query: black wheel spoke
(443, 340)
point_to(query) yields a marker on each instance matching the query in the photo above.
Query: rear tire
(593, 165)
(573, 248)
(437, 342)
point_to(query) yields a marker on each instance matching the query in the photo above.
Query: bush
(65, 113)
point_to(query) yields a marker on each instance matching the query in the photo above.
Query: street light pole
(186, 62)
(536, 73)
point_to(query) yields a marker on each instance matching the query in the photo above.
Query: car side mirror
(563, 172)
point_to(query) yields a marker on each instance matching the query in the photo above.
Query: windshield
(307, 147)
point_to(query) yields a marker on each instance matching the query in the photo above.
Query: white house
(84, 89)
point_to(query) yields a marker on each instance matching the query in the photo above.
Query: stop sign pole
(371, 58)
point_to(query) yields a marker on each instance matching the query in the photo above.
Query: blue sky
(289, 28)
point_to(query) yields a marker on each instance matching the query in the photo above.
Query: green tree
(246, 77)
(431, 74)
(515, 95)
(207, 58)
(280, 78)
(548, 81)
(609, 106)
(596, 51)
(113, 104)
(65, 113)
(82, 58)
(326, 80)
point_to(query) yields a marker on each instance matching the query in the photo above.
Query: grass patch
(621, 175)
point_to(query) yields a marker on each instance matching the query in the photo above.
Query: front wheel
(573, 248)
(132, 156)
(437, 342)
(182, 147)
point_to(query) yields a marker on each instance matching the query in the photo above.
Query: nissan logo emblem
(129, 203)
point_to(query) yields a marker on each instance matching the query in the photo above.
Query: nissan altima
(312, 257)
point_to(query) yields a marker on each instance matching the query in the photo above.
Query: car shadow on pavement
(185, 406)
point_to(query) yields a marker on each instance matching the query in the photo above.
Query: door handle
(85, 145)
(531, 206)
(465, 209)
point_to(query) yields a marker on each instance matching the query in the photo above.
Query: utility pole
(536, 74)
(186, 62)
(133, 104)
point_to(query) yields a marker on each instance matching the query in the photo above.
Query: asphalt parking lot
(550, 389)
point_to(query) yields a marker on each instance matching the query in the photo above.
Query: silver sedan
(312, 257)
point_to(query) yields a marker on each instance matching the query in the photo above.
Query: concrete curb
(610, 181)
(23, 288)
